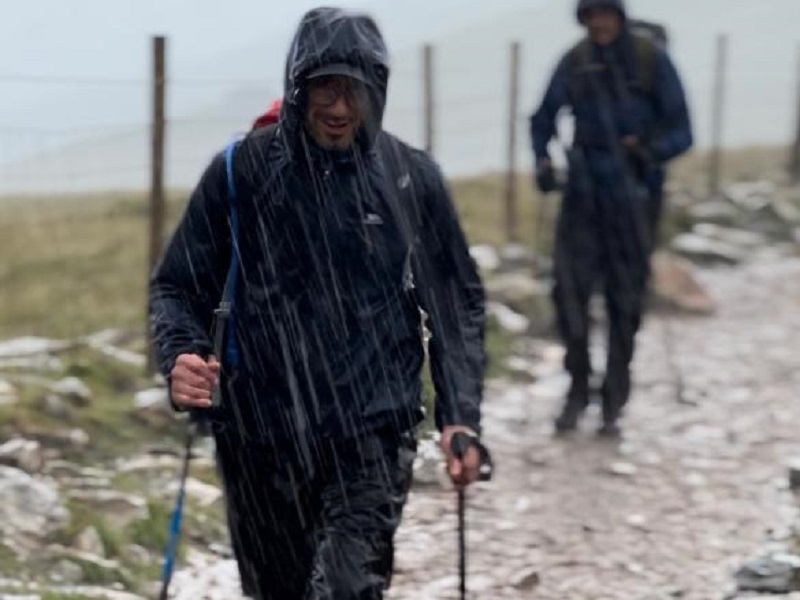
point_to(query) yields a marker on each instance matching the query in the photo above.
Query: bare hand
(467, 470)
(630, 141)
(192, 381)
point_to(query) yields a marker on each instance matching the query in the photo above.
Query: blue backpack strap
(229, 295)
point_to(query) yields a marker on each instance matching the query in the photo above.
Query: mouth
(336, 127)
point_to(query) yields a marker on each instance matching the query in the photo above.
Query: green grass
(9, 563)
(108, 419)
(73, 266)
(153, 532)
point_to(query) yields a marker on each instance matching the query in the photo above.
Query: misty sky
(74, 75)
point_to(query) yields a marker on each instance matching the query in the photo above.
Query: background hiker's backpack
(653, 31)
(648, 39)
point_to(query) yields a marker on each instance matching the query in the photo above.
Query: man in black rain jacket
(344, 234)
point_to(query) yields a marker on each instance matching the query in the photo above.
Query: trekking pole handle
(460, 444)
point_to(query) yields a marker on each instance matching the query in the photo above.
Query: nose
(340, 108)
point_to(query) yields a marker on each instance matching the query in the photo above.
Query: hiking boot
(610, 430)
(567, 421)
(577, 401)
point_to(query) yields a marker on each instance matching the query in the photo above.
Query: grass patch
(74, 266)
(9, 563)
(108, 418)
(82, 517)
(152, 533)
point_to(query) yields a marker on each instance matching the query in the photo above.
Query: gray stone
(89, 541)
(526, 580)
(22, 454)
(623, 469)
(730, 235)
(57, 550)
(152, 406)
(514, 288)
(428, 465)
(706, 250)
(124, 508)
(8, 393)
(637, 522)
(507, 319)
(66, 571)
(777, 573)
(716, 211)
(136, 554)
(517, 256)
(149, 464)
(62, 468)
(204, 494)
(486, 257)
(29, 506)
(674, 284)
(27, 346)
(794, 474)
(751, 195)
(74, 390)
(55, 406)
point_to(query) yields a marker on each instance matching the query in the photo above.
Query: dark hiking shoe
(577, 401)
(567, 421)
(610, 431)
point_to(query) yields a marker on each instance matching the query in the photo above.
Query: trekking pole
(171, 552)
(460, 443)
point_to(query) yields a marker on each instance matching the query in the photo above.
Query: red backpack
(270, 117)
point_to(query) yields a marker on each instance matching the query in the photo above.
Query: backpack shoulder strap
(645, 54)
(226, 310)
(224, 327)
(580, 54)
(578, 60)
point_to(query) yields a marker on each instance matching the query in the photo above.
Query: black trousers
(318, 528)
(606, 237)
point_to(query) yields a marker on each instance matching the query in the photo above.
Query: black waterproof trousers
(320, 526)
(605, 235)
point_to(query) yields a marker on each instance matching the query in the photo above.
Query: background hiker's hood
(328, 36)
(584, 5)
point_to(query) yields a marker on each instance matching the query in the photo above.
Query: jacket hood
(584, 5)
(329, 37)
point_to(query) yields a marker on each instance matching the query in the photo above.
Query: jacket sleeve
(674, 134)
(543, 121)
(186, 285)
(452, 296)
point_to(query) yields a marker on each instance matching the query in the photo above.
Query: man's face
(604, 24)
(335, 110)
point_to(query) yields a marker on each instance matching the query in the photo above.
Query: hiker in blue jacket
(631, 118)
(344, 234)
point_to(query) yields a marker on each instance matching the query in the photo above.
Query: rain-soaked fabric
(608, 221)
(598, 237)
(318, 531)
(328, 331)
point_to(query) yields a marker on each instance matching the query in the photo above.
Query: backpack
(647, 39)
